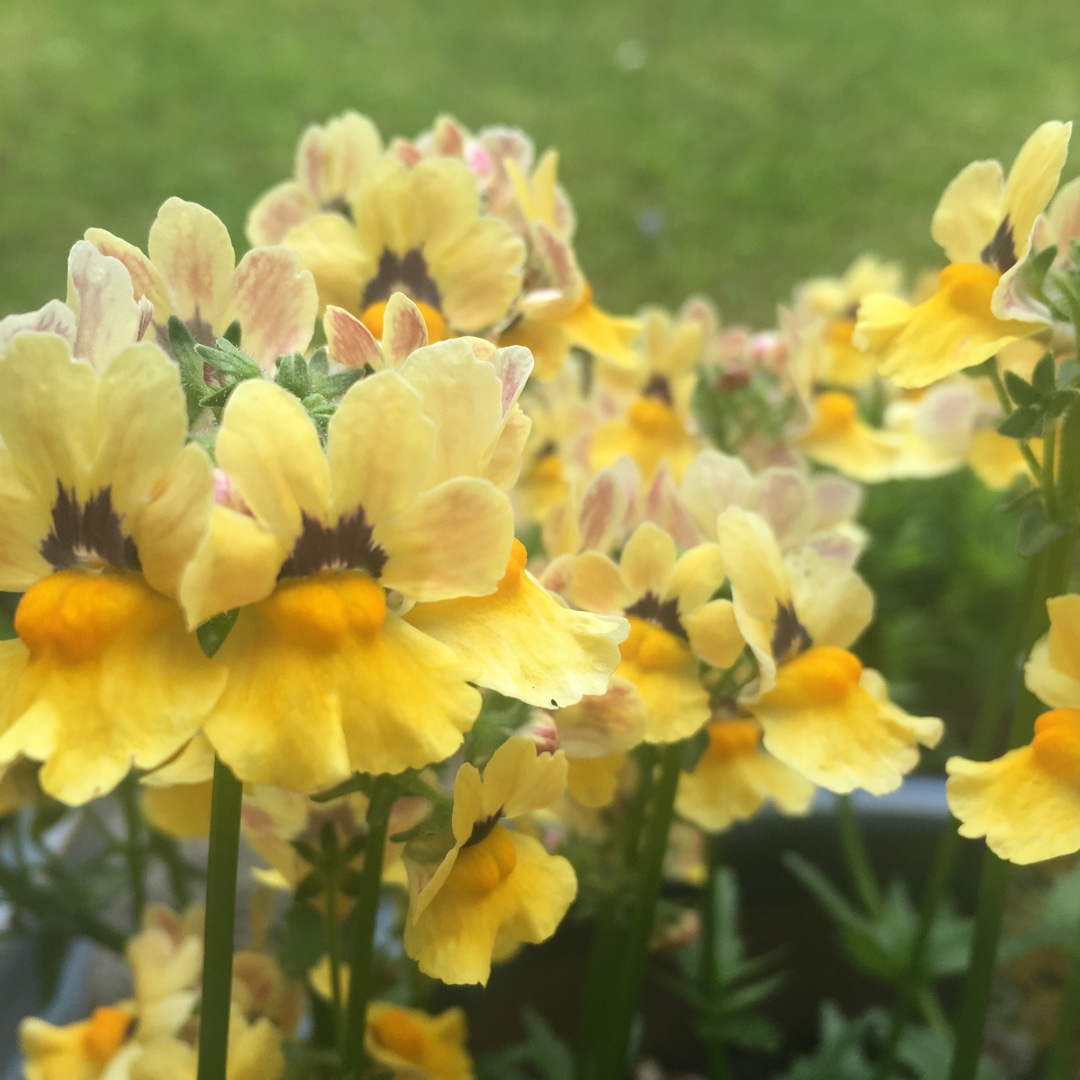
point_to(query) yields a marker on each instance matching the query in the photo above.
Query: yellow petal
(25, 521)
(278, 212)
(596, 584)
(714, 633)
(599, 726)
(833, 602)
(329, 247)
(413, 1044)
(1033, 179)
(648, 560)
(180, 810)
(593, 782)
(1052, 672)
(518, 780)
(970, 211)
(698, 573)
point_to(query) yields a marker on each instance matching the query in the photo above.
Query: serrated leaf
(292, 375)
(1023, 393)
(229, 360)
(334, 386)
(1025, 423)
(219, 397)
(319, 364)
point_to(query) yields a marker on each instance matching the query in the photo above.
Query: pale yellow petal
(599, 726)
(278, 212)
(970, 211)
(518, 780)
(25, 521)
(593, 782)
(328, 246)
(698, 573)
(648, 560)
(146, 279)
(832, 601)
(714, 633)
(100, 294)
(596, 584)
(1052, 672)
(1033, 179)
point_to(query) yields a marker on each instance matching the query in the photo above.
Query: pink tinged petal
(146, 279)
(192, 249)
(280, 210)
(513, 365)
(505, 463)
(648, 560)
(146, 316)
(557, 255)
(404, 330)
(101, 295)
(269, 447)
(713, 482)
(349, 342)
(276, 301)
(451, 541)
(606, 724)
(54, 318)
(448, 137)
(665, 508)
(837, 499)
(380, 447)
(603, 510)
(786, 503)
(405, 152)
(596, 584)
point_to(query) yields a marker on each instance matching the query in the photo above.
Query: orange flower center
(834, 413)
(968, 287)
(654, 648)
(375, 314)
(396, 1031)
(654, 417)
(1056, 744)
(732, 738)
(77, 615)
(515, 567)
(822, 675)
(483, 866)
(106, 1031)
(318, 612)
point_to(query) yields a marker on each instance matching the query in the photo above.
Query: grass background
(772, 141)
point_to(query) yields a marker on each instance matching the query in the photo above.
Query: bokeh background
(726, 148)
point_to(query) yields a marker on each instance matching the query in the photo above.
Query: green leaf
(301, 939)
(928, 1055)
(1043, 377)
(1023, 393)
(1068, 372)
(333, 386)
(182, 346)
(437, 819)
(1060, 400)
(1025, 423)
(232, 333)
(1034, 532)
(840, 1055)
(319, 364)
(214, 631)
(229, 360)
(693, 750)
(292, 374)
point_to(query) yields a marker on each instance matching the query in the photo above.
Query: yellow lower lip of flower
(653, 417)
(515, 567)
(76, 614)
(732, 738)
(106, 1031)
(395, 1031)
(374, 315)
(482, 867)
(319, 612)
(819, 676)
(653, 648)
(1056, 744)
(835, 413)
(969, 286)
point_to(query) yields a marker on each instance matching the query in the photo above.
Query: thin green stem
(220, 922)
(361, 973)
(333, 950)
(1046, 481)
(710, 972)
(1007, 407)
(1061, 1061)
(857, 859)
(636, 946)
(135, 848)
(1052, 574)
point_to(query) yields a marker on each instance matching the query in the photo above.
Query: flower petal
(648, 560)
(328, 246)
(714, 633)
(833, 603)
(970, 210)
(54, 318)
(1052, 672)
(100, 293)
(278, 212)
(349, 341)
(146, 279)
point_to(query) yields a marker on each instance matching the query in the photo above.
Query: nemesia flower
(325, 677)
(101, 507)
(495, 887)
(420, 232)
(191, 272)
(735, 777)
(416, 1046)
(674, 623)
(330, 161)
(1027, 802)
(820, 711)
(985, 224)
(840, 438)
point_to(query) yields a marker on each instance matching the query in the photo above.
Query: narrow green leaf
(1025, 423)
(1023, 393)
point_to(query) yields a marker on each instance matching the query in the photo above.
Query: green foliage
(541, 1055)
(499, 718)
(8, 603)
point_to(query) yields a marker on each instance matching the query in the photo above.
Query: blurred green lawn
(772, 140)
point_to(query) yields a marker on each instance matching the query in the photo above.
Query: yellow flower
(821, 713)
(416, 1046)
(326, 678)
(79, 1051)
(101, 507)
(734, 778)
(419, 232)
(330, 161)
(985, 223)
(839, 438)
(192, 273)
(674, 623)
(495, 887)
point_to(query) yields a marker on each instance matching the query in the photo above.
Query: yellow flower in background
(985, 224)
(674, 623)
(735, 777)
(101, 507)
(495, 887)
(1027, 802)
(416, 1046)
(79, 1051)
(330, 160)
(840, 438)
(420, 232)
(326, 678)
(821, 712)
(192, 273)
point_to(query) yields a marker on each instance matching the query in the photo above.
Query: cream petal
(276, 302)
(101, 295)
(1052, 672)
(1063, 218)
(48, 413)
(714, 633)
(329, 248)
(831, 600)
(330, 161)
(665, 507)
(270, 449)
(146, 279)
(786, 502)
(698, 573)
(518, 780)
(596, 584)
(676, 703)
(54, 318)
(192, 249)
(504, 465)
(1032, 180)
(648, 560)
(970, 211)
(604, 506)
(482, 273)
(604, 724)
(451, 541)
(404, 330)
(383, 411)
(25, 521)
(349, 342)
(383, 210)
(237, 564)
(278, 212)
(713, 482)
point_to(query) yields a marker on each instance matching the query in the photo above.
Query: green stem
(1052, 573)
(1006, 404)
(710, 974)
(636, 945)
(1047, 473)
(857, 859)
(220, 922)
(361, 973)
(333, 949)
(135, 849)
(1060, 1062)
